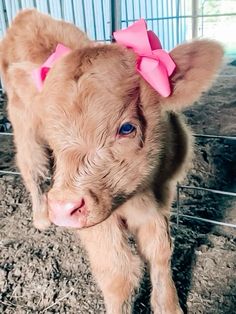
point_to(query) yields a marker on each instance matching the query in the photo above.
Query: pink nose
(68, 214)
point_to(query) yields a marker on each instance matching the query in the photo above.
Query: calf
(118, 146)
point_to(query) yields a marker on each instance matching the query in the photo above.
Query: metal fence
(91, 16)
(96, 17)
(173, 20)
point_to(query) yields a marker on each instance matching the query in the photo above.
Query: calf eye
(126, 129)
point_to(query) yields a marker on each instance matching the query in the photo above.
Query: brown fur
(128, 182)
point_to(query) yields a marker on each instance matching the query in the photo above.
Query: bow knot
(40, 74)
(153, 63)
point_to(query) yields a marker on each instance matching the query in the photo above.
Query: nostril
(68, 213)
(78, 208)
(73, 211)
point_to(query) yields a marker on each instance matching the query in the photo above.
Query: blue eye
(126, 128)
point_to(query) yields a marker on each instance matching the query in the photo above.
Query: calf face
(104, 149)
(89, 100)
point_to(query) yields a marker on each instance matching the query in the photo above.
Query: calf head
(106, 125)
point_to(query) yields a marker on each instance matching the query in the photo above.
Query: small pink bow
(153, 63)
(39, 74)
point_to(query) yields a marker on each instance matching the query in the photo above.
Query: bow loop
(153, 63)
(154, 40)
(39, 75)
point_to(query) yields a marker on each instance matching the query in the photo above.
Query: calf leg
(31, 162)
(115, 268)
(151, 228)
(31, 159)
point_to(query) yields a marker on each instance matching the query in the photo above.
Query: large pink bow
(39, 74)
(153, 63)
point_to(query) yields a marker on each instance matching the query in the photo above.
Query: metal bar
(168, 26)
(94, 21)
(163, 23)
(180, 22)
(146, 11)
(227, 75)
(188, 187)
(6, 133)
(103, 40)
(226, 224)
(9, 172)
(151, 8)
(3, 172)
(133, 10)
(202, 11)
(115, 6)
(233, 138)
(183, 16)
(178, 31)
(48, 7)
(84, 18)
(178, 204)
(194, 19)
(185, 27)
(126, 13)
(196, 135)
(103, 20)
(73, 12)
(174, 31)
(157, 13)
(61, 9)
(8, 8)
(3, 18)
(139, 6)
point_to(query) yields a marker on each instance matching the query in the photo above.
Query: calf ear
(197, 64)
(20, 81)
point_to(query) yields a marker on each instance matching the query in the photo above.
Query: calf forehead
(89, 105)
(107, 71)
(94, 98)
(84, 119)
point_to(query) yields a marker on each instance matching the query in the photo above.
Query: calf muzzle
(68, 213)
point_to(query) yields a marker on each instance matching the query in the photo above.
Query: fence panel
(91, 16)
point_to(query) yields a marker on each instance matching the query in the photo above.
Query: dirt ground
(48, 272)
